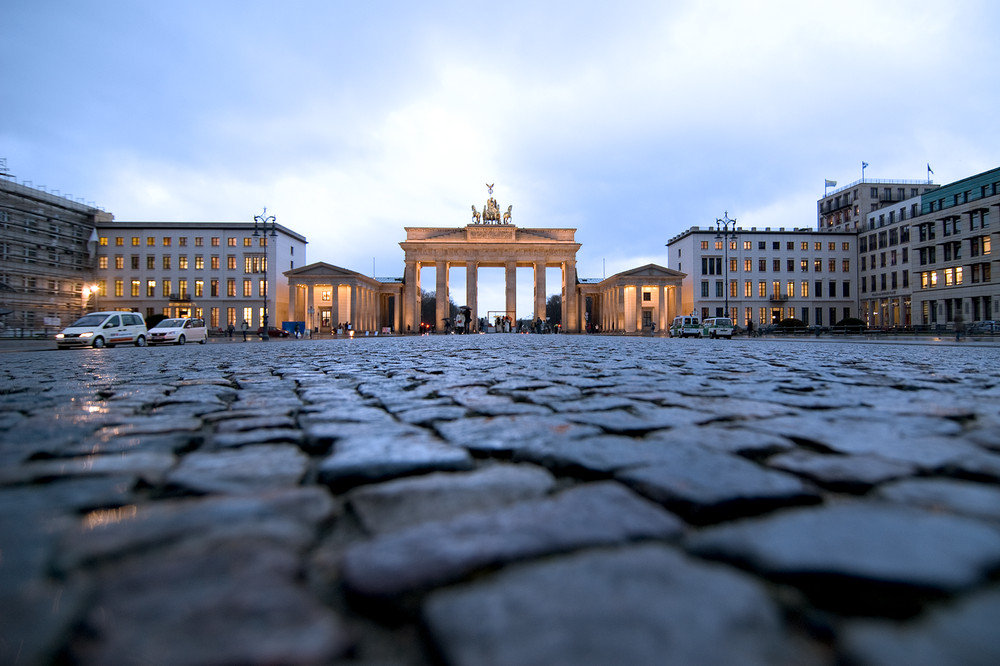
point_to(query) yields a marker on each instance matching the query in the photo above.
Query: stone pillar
(441, 295)
(408, 303)
(334, 305)
(292, 300)
(353, 320)
(472, 293)
(661, 308)
(677, 302)
(510, 278)
(638, 308)
(311, 305)
(572, 312)
(540, 290)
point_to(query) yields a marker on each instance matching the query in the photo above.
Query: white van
(99, 329)
(717, 327)
(683, 327)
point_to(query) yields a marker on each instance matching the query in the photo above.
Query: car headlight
(59, 336)
(88, 334)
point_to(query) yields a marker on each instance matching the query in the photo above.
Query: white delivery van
(100, 329)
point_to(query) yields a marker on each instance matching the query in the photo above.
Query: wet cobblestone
(501, 500)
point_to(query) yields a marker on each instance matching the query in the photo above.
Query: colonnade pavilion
(323, 295)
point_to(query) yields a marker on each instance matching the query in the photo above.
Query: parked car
(273, 332)
(989, 327)
(683, 327)
(178, 331)
(717, 327)
(100, 329)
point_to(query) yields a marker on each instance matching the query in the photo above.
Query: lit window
(103, 241)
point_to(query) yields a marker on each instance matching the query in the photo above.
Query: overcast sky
(630, 120)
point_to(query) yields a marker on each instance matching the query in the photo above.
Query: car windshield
(170, 323)
(90, 320)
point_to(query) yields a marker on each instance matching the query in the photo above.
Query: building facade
(762, 276)
(327, 298)
(222, 272)
(47, 258)
(884, 263)
(952, 252)
(847, 208)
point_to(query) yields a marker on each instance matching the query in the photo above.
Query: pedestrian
(244, 327)
(959, 327)
(229, 331)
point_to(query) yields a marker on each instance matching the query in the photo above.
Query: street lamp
(725, 233)
(263, 220)
(88, 291)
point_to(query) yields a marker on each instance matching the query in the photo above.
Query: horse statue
(475, 216)
(490, 212)
(506, 216)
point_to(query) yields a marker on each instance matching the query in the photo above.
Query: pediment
(322, 269)
(652, 270)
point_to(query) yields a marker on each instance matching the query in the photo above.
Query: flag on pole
(864, 165)
(830, 183)
(930, 170)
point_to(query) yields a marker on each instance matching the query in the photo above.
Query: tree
(428, 308)
(553, 309)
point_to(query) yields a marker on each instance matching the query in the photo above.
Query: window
(214, 287)
(704, 288)
(214, 263)
(119, 241)
(135, 262)
(762, 289)
(199, 288)
(804, 265)
(166, 262)
(231, 262)
(748, 265)
(182, 262)
(804, 288)
(150, 288)
(748, 288)
(817, 265)
(183, 241)
(718, 289)
(704, 245)
(733, 265)
(324, 295)
(818, 245)
(832, 284)
(199, 242)
(215, 241)
(119, 287)
(231, 287)
(790, 289)
(150, 262)
(832, 265)
(231, 242)
(762, 265)
(761, 245)
(804, 245)
(136, 287)
(819, 288)
(102, 263)
(166, 242)
(846, 247)
(165, 289)
(776, 245)
(102, 241)
(777, 265)
(845, 266)
(790, 245)
(135, 240)
(747, 245)
(199, 262)
(247, 242)
(248, 287)
(150, 241)
(119, 262)
(790, 265)
(831, 246)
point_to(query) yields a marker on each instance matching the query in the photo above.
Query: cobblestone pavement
(501, 500)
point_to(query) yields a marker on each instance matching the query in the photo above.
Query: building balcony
(778, 298)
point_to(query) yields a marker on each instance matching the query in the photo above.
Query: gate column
(540, 301)
(472, 293)
(441, 296)
(510, 277)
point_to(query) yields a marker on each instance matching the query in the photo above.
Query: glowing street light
(724, 233)
(264, 220)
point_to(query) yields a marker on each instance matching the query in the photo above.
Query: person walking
(244, 327)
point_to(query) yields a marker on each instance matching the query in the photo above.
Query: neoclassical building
(323, 295)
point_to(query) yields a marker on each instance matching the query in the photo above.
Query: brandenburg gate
(636, 300)
(490, 241)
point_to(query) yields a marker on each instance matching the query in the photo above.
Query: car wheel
(181, 340)
(140, 341)
(204, 340)
(98, 342)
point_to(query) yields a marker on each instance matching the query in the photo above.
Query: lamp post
(262, 232)
(725, 233)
